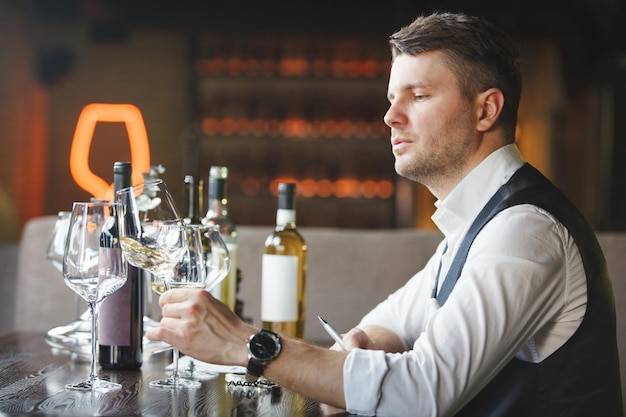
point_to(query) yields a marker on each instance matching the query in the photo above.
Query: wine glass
(74, 336)
(56, 245)
(171, 252)
(94, 268)
(186, 270)
(216, 266)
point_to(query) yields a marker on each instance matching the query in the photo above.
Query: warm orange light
(85, 127)
(343, 187)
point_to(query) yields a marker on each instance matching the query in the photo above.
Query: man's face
(433, 126)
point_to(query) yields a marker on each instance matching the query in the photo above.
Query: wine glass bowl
(151, 202)
(216, 255)
(157, 252)
(56, 245)
(94, 268)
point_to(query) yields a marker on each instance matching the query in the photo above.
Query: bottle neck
(193, 192)
(122, 172)
(286, 218)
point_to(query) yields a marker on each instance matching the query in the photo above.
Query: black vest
(582, 378)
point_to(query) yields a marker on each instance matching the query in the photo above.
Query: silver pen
(332, 332)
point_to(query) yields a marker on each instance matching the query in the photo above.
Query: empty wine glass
(216, 267)
(56, 245)
(94, 268)
(73, 337)
(188, 272)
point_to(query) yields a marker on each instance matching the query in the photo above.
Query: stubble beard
(442, 157)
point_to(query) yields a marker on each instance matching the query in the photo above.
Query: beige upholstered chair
(43, 300)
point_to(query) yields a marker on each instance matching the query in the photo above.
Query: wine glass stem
(175, 356)
(94, 331)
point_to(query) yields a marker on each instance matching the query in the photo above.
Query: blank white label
(279, 291)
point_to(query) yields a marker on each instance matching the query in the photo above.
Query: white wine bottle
(217, 214)
(283, 292)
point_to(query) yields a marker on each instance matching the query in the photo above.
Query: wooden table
(33, 378)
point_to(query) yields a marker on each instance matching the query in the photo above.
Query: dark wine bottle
(120, 328)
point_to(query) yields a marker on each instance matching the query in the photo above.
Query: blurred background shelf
(304, 109)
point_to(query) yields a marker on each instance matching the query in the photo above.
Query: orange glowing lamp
(85, 127)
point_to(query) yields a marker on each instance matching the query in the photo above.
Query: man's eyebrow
(412, 85)
(409, 86)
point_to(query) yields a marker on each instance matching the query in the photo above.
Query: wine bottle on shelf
(283, 295)
(120, 330)
(193, 200)
(217, 214)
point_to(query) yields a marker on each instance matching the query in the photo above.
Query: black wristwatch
(263, 347)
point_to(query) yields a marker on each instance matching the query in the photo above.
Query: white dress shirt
(522, 293)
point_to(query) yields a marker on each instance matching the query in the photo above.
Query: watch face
(264, 346)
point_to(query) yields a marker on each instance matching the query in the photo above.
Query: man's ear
(489, 104)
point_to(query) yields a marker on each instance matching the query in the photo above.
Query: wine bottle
(283, 273)
(217, 214)
(120, 330)
(193, 200)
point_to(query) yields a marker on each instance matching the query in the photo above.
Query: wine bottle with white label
(283, 293)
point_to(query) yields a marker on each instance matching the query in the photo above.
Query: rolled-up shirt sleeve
(365, 370)
(375, 381)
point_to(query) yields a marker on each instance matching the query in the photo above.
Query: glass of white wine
(173, 254)
(94, 268)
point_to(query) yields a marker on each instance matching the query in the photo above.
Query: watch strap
(254, 370)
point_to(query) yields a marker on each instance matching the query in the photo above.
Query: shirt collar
(462, 205)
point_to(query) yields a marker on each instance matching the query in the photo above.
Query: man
(513, 315)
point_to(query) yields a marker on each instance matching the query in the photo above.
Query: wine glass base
(193, 371)
(175, 383)
(198, 374)
(96, 384)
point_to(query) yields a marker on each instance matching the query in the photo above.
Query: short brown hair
(481, 55)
